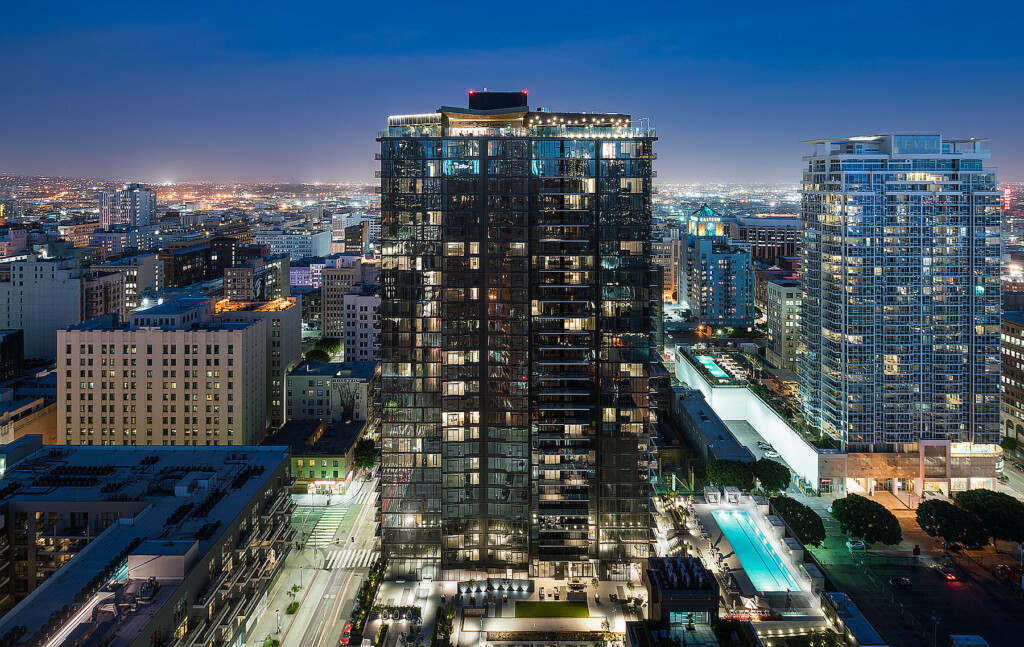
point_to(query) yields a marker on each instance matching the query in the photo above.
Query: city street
(329, 569)
(975, 603)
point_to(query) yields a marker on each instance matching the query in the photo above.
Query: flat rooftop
(680, 574)
(357, 370)
(337, 438)
(137, 483)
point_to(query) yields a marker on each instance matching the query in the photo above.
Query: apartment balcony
(208, 594)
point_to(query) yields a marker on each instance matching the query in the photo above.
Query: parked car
(854, 545)
(771, 453)
(1009, 573)
(346, 634)
(953, 547)
(900, 583)
(944, 572)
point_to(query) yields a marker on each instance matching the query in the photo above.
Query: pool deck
(729, 564)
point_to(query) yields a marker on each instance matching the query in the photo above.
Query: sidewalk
(312, 583)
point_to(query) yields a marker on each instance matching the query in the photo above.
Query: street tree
(804, 521)
(773, 475)
(868, 520)
(948, 522)
(317, 355)
(734, 473)
(330, 345)
(365, 454)
(1001, 514)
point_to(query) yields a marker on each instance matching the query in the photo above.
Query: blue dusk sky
(296, 91)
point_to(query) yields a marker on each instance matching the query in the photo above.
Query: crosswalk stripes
(359, 497)
(327, 525)
(350, 558)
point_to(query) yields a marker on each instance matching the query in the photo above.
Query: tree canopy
(735, 473)
(1008, 443)
(317, 355)
(868, 520)
(329, 345)
(773, 475)
(804, 521)
(365, 454)
(1001, 514)
(944, 520)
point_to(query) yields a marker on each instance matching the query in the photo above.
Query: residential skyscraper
(782, 311)
(715, 277)
(133, 204)
(515, 317)
(901, 311)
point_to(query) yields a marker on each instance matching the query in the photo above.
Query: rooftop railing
(559, 132)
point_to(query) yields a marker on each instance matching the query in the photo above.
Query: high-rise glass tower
(515, 320)
(900, 316)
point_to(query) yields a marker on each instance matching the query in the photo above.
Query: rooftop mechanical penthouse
(515, 351)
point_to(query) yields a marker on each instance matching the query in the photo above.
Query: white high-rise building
(41, 296)
(901, 306)
(362, 324)
(297, 243)
(132, 204)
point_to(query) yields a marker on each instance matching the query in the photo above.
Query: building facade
(187, 266)
(142, 273)
(133, 204)
(102, 293)
(170, 375)
(283, 344)
(515, 315)
(337, 280)
(296, 243)
(339, 391)
(900, 314)
(361, 340)
(767, 236)
(716, 279)
(1012, 379)
(782, 313)
(38, 297)
(258, 279)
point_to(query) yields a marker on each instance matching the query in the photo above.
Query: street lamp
(935, 631)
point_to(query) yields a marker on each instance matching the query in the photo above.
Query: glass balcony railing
(556, 132)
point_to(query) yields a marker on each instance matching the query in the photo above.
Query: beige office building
(172, 374)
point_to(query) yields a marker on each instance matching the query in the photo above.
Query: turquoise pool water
(759, 560)
(715, 370)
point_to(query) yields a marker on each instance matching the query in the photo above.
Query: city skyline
(223, 95)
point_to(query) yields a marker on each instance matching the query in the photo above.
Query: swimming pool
(759, 560)
(709, 363)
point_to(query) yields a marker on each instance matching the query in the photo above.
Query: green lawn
(552, 610)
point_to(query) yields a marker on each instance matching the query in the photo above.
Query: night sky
(297, 91)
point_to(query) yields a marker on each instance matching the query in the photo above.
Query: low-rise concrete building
(322, 454)
(681, 591)
(149, 545)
